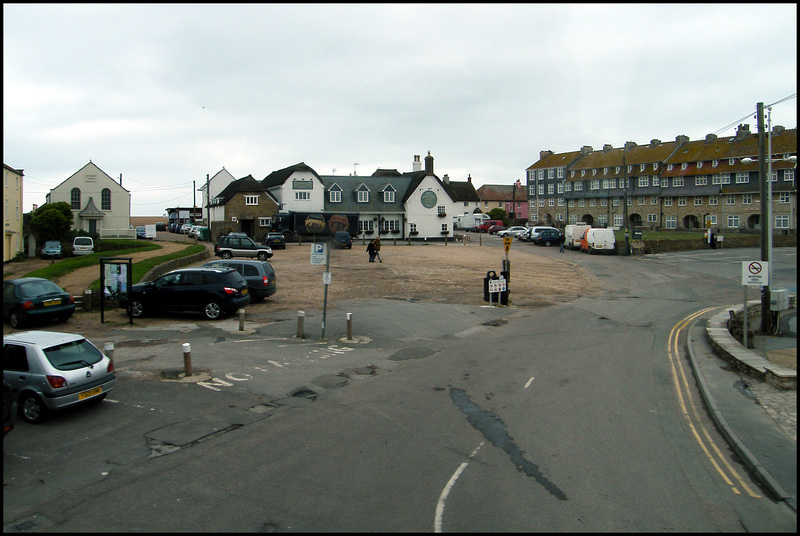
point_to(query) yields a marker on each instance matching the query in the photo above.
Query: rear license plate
(244, 292)
(52, 302)
(91, 392)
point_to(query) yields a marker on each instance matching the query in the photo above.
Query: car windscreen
(73, 355)
(32, 289)
(52, 244)
(83, 241)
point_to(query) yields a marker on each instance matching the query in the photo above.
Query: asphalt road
(434, 417)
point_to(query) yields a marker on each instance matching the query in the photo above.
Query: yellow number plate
(244, 292)
(52, 302)
(90, 393)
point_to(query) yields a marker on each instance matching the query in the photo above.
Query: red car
(494, 228)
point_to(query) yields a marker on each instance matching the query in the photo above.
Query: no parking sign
(755, 273)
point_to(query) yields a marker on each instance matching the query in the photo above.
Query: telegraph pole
(625, 202)
(765, 223)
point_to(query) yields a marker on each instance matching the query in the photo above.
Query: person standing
(561, 240)
(378, 248)
(371, 250)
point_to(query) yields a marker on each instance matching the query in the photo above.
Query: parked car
(9, 408)
(31, 299)
(342, 239)
(494, 229)
(49, 370)
(161, 226)
(212, 291)
(531, 233)
(240, 246)
(545, 237)
(512, 231)
(483, 226)
(597, 240)
(274, 240)
(82, 245)
(140, 232)
(51, 249)
(260, 276)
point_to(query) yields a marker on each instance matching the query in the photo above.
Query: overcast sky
(166, 94)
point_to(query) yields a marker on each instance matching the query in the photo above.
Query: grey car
(51, 249)
(260, 275)
(50, 370)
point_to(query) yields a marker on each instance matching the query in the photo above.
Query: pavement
(757, 418)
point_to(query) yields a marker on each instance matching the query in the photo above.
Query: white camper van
(467, 222)
(598, 241)
(573, 235)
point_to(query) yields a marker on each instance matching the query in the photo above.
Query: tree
(52, 221)
(499, 214)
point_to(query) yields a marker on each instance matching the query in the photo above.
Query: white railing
(118, 233)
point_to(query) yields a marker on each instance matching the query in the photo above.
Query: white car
(512, 231)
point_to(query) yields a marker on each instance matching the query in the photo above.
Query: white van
(82, 245)
(598, 240)
(573, 235)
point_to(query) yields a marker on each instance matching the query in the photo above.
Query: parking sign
(317, 253)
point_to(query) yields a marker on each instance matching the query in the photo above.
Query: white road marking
(529, 383)
(437, 522)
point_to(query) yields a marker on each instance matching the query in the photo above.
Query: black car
(546, 237)
(260, 276)
(342, 239)
(31, 299)
(274, 240)
(212, 291)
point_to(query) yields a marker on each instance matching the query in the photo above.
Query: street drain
(304, 392)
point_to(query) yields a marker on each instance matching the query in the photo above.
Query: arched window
(105, 199)
(75, 198)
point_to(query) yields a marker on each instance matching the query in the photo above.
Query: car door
(163, 293)
(9, 298)
(16, 367)
(190, 293)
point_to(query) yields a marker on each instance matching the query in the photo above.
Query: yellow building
(12, 212)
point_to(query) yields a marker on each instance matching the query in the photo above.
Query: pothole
(304, 392)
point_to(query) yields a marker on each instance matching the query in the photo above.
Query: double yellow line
(691, 414)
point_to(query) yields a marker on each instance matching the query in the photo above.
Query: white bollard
(300, 320)
(187, 359)
(349, 326)
(240, 312)
(108, 349)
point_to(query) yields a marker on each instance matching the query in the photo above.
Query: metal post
(187, 359)
(240, 312)
(349, 326)
(325, 295)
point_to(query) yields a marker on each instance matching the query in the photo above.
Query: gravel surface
(427, 272)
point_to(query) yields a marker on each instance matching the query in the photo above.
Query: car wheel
(32, 409)
(16, 320)
(262, 256)
(547, 243)
(136, 309)
(226, 255)
(212, 310)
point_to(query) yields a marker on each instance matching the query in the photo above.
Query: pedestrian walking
(371, 250)
(378, 248)
(561, 240)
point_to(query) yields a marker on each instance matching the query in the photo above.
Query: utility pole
(625, 202)
(208, 206)
(765, 223)
(194, 201)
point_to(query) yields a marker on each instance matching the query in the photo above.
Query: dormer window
(731, 161)
(699, 164)
(605, 171)
(362, 193)
(388, 194)
(655, 166)
(641, 167)
(335, 194)
(714, 163)
(684, 165)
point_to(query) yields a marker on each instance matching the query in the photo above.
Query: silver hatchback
(49, 370)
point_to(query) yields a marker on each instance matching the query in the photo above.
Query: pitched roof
(276, 178)
(501, 192)
(244, 185)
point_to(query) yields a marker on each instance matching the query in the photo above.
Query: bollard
(300, 319)
(349, 326)
(108, 349)
(240, 312)
(87, 300)
(187, 359)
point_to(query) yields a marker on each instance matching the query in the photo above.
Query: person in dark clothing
(371, 250)
(561, 240)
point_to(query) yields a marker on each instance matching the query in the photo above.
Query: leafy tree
(52, 221)
(499, 214)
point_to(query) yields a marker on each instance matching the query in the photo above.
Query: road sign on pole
(755, 273)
